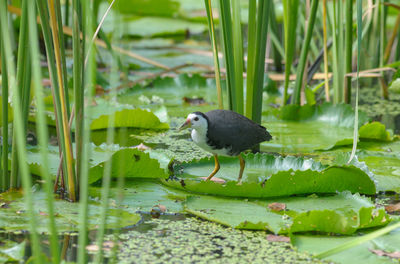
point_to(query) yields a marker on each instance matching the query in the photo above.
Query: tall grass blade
(77, 72)
(66, 133)
(23, 84)
(62, 41)
(251, 53)
(261, 43)
(5, 180)
(226, 24)
(359, 38)
(42, 128)
(348, 49)
(304, 51)
(290, 14)
(54, 77)
(238, 56)
(89, 77)
(275, 34)
(213, 39)
(327, 95)
(19, 128)
(105, 187)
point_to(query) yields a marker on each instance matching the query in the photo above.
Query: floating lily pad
(386, 170)
(374, 131)
(304, 129)
(66, 215)
(126, 162)
(342, 214)
(129, 163)
(136, 118)
(357, 254)
(269, 176)
(143, 195)
(11, 251)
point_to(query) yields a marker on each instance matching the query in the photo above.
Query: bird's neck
(201, 130)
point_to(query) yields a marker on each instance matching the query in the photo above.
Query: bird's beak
(185, 125)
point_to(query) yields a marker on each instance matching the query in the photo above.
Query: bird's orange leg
(242, 163)
(216, 169)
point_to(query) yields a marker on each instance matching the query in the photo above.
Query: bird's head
(195, 120)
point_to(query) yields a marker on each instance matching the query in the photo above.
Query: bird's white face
(195, 121)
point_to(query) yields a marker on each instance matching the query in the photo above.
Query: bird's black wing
(228, 129)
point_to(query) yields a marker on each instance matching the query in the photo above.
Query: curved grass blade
(16, 99)
(358, 241)
(359, 38)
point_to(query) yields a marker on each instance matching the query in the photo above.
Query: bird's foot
(239, 183)
(214, 179)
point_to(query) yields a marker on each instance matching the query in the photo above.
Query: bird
(225, 133)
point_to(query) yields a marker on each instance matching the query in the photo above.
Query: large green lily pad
(126, 162)
(304, 129)
(14, 215)
(269, 176)
(343, 213)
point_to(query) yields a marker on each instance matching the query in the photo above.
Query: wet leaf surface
(269, 176)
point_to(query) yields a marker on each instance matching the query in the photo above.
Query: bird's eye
(196, 119)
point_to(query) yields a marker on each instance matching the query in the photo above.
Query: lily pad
(143, 195)
(304, 129)
(136, 118)
(11, 251)
(126, 162)
(343, 213)
(269, 176)
(129, 163)
(66, 217)
(358, 254)
(386, 169)
(374, 131)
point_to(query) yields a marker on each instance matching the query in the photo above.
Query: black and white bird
(225, 133)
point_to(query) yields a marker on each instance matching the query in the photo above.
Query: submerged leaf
(66, 218)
